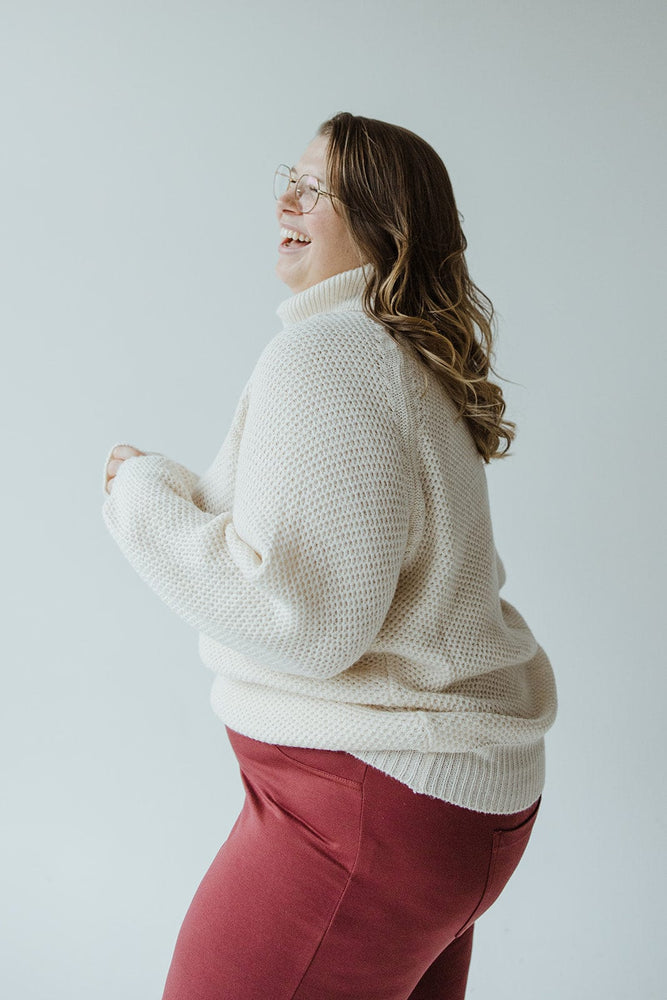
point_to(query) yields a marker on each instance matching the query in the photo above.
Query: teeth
(293, 235)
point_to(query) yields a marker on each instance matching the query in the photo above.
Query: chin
(293, 282)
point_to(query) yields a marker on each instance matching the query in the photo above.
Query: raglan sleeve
(299, 571)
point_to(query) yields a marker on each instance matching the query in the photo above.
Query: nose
(287, 202)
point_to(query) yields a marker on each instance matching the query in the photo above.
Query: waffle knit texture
(337, 559)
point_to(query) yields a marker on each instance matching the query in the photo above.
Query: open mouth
(293, 240)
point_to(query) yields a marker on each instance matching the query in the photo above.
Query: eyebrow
(306, 171)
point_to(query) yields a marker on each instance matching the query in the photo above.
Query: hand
(118, 456)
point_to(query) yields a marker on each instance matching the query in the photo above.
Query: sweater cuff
(119, 444)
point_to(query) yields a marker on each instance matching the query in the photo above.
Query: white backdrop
(138, 241)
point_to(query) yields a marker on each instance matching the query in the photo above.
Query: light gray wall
(137, 247)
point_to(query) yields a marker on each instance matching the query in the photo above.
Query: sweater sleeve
(300, 571)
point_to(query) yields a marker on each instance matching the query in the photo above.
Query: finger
(125, 451)
(113, 466)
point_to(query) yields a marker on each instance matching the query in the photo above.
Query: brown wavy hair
(397, 200)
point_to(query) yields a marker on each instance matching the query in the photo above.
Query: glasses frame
(290, 171)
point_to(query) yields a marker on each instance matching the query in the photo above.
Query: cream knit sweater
(338, 560)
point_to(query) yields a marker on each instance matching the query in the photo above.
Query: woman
(387, 707)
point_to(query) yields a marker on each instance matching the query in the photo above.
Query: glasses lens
(281, 181)
(306, 192)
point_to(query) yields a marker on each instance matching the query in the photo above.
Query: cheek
(346, 239)
(340, 243)
(329, 234)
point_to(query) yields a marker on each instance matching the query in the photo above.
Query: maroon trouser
(338, 882)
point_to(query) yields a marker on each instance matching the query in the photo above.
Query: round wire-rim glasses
(308, 188)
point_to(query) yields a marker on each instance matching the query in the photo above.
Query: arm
(500, 569)
(118, 453)
(300, 571)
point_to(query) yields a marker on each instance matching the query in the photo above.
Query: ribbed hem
(340, 293)
(494, 780)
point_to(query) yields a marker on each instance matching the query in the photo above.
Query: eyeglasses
(307, 191)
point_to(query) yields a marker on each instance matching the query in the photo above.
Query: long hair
(395, 195)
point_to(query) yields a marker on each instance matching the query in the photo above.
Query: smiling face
(331, 249)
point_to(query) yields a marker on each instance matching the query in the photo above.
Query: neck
(340, 293)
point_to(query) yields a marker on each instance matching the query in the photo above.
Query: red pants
(338, 882)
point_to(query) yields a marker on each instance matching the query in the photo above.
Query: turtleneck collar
(339, 293)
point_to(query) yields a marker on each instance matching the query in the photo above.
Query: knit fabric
(337, 559)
